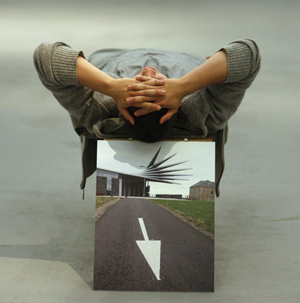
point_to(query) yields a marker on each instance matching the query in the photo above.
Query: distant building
(203, 190)
(116, 184)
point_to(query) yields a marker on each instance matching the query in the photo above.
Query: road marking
(150, 249)
(142, 224)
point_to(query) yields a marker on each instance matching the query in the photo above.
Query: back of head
(147, 127)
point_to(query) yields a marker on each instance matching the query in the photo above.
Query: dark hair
(147, 127)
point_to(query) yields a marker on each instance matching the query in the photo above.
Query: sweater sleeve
(56, 65)
(211, 107)
(244, 61)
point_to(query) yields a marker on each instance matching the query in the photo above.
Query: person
(148, 94)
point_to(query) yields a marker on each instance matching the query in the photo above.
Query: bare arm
(212, 71)
(221, 82)
(91, 77)
(72, 80)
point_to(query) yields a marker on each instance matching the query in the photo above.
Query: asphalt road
(187, 256)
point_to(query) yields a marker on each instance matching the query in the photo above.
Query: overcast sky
(128, 156)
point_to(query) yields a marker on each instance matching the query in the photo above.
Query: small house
(203, 190)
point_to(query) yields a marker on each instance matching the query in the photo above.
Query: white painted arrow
(151, 250)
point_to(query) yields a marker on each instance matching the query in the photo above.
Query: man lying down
(148, 94)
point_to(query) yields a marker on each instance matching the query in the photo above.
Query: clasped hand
(145, 97)
(170, 100)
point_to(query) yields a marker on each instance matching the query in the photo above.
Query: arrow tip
(151, 252)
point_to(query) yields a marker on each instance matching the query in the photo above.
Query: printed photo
(154, 218)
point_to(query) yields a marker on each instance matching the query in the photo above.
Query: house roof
(206, 183)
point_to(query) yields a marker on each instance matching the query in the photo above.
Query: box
(154, 221)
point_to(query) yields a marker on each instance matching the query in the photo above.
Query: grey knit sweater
(207, 111)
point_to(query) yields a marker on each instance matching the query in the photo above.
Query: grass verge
(101, 200)
(201, 213)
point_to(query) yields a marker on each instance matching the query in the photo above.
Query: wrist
(108, 86)
(183, 86)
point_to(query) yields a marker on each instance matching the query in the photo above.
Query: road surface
(186, 261)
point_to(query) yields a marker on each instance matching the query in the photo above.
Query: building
(203, 190)
(117, 184)
(135, 182)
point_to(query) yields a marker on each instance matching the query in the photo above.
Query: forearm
(221, 100)
(237, 62)
(212, 71)
(91, 77)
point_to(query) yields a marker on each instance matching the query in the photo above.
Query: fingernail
(129, 86)
(128, 99)
(162, 92)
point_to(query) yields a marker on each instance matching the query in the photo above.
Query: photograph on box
(154, 217)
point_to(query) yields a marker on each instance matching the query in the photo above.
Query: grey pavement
(47, 231)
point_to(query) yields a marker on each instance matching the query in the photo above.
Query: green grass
(101, 200)
(201, 213)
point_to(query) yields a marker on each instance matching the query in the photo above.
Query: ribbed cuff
(64, 64)
(239, 60)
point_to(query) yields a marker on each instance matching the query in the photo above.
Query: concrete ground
(47, 231)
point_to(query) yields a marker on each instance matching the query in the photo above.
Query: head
(147, 127)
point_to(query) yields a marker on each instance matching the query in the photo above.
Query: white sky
(127, 157)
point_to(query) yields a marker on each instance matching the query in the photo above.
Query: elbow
(42, 61)
(255, 57)
(40, 56)
(244, 61)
